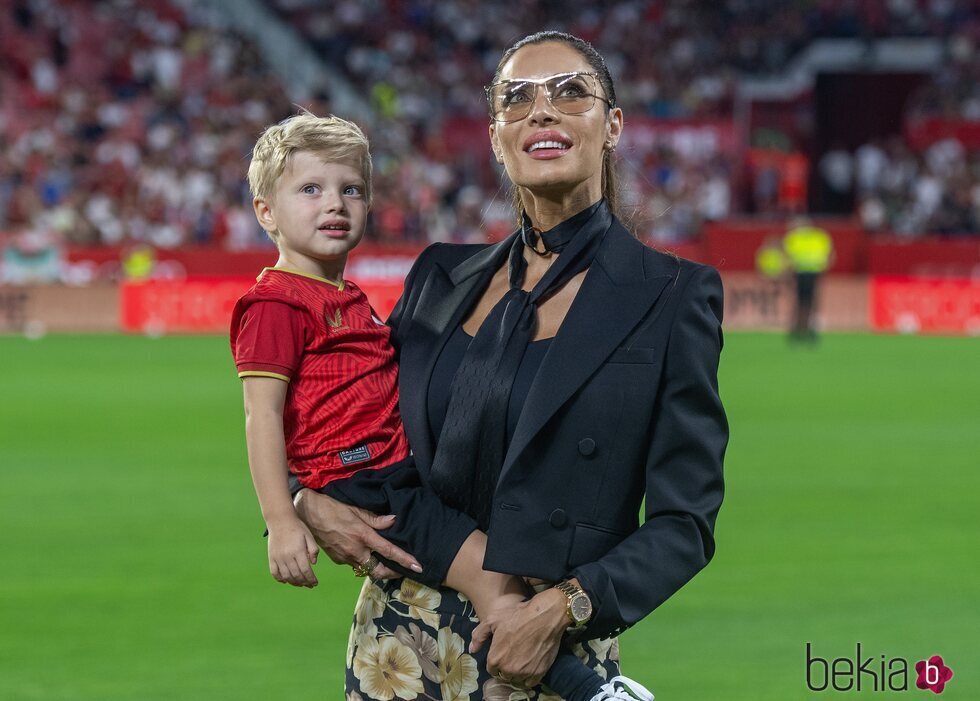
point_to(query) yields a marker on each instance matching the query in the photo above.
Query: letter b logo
(933, 674)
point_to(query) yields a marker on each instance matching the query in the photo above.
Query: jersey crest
(335, 322)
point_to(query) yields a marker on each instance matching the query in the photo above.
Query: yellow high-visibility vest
(808, 248)
(770, 261)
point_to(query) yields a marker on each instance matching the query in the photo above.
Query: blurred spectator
(869, 166)
(31, 257)
(872, 213)
(836, 169)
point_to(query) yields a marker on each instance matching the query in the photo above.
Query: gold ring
(365, 568)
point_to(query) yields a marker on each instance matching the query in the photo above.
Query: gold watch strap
(570, 591)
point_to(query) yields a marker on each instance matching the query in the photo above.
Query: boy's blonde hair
(331, 138)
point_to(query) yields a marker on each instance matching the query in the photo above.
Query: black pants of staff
(806, 297)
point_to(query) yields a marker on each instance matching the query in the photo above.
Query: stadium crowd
(127, 121)
(908, 193)
(122, 122)
(425, 62)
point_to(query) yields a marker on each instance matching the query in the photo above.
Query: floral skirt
(409, 641)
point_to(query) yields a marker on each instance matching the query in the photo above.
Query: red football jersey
(341, 413)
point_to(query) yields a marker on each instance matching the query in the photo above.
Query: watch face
(581, 607)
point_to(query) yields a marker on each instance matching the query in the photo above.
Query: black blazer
(625, 405)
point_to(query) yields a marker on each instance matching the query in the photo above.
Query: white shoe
(623, 689)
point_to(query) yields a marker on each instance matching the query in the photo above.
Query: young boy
(320, 378)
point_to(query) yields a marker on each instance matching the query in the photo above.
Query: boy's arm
(291, 546)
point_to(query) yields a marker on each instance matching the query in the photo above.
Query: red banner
(924, 257)
(180, 306)
(204, 304)
(922, 133)
(925, 305)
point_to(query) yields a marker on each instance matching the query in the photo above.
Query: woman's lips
(547, 145)
(547, 154)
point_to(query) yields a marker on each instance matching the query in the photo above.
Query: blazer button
(558, 518)
(586, 447)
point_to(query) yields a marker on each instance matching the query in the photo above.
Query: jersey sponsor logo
(334, 322)
(355, 455)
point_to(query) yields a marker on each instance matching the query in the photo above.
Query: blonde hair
(331, 138)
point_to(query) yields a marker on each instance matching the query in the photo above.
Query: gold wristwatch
(579, 604)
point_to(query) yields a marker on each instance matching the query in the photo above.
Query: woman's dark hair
(610, 189)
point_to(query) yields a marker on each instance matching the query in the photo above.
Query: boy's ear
(264, 214)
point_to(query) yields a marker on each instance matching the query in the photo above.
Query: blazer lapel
(615, 296)
(445, 298)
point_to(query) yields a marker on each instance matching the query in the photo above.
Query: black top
(472, 445)
(448, 362)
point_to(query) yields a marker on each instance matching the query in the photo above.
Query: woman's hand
(348, 535)
(525, 643)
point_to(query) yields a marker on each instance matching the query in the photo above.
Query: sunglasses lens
(511, 100)
(572, 94)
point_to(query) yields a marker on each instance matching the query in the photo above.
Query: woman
(548, 384)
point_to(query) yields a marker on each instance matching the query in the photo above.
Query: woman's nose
(542, 111)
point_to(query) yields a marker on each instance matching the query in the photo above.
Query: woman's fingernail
(416, 567)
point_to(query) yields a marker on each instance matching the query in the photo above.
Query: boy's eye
(310, 189)
(354, 190)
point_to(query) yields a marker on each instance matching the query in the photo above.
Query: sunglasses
(569, 93)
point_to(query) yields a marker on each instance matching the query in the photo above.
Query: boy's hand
(292, 550)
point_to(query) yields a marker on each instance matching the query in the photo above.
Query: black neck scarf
(471, 448)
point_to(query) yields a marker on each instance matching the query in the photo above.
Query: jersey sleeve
(269, 341)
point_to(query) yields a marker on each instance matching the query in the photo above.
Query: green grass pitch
(133, 567)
